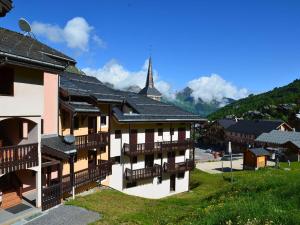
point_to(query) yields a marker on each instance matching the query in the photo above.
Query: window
(23, 130)
(172, 131)
(134, 159)
(180, 175)
(182, 152)
(116, 160)
(6, 81)
(159, 180)
(160, 132)
(76, 122)
(42, 126)
(103, 120)
(117, 134)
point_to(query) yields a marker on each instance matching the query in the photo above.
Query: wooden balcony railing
(179, 167)
(91, 141)
(144, 173)
(148, 148)
(86, 176)
(18, 157)
(144, 148)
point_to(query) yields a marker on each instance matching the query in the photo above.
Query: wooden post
(72, 178)
(72, 123)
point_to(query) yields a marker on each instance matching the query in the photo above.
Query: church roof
(149, 89)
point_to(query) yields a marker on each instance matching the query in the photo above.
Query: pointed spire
(149, 82)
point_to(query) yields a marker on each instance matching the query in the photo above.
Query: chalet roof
(226, 122)
(254, 127)
(280, 137)
(259, 151)
(5, 7)
(57, 146)
(16, 48)
(80, 107)
(144, 108)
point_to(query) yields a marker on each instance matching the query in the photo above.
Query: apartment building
(29, 109)
(62, 133)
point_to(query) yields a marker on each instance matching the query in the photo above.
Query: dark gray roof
(80, 107)
(150, 91)
(57, 146)
(17, 48)
(144, 108)
(254, 127)
(5, 7)
(259, 151)
(82, 85)
(226, 122)
(280, 137)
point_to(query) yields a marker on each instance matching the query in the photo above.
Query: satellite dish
(24, 25)
(69, 139)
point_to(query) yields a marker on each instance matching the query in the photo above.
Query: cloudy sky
(217, 48)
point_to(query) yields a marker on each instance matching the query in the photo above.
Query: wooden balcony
(91, 141)
(145, 148)
(18, 157)
(145, 173)
(150, 148)
(179, 167)
(87, 176)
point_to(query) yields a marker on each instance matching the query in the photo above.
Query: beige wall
(28, 96)
(50, 115)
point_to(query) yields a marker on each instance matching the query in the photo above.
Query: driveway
(65, 215)
(216, 167)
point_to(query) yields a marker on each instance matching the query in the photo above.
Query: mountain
(279, 103)
(185, 100)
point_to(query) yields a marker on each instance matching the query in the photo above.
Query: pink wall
(50, 115)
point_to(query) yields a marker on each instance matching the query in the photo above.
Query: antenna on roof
(24, 25)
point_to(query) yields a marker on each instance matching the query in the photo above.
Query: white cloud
(214, 87)
(76, 33)
(114, 73)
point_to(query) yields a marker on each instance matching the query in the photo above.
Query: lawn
(268, 196)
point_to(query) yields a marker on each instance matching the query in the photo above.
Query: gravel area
(66, 215)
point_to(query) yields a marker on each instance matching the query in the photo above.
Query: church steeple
(149, 90)
(149, 81)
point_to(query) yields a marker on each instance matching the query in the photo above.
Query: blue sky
(248, 44)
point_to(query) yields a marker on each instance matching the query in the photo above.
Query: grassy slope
(268, 196)
(286, 94)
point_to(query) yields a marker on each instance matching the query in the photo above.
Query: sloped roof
(5, 7)
(280, 137)
(259, 151)
(254, 127)
(80, 107)
(145, 109)
(226, 122)
(150, 91)
(17, 48)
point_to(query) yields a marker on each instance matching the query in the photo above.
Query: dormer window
(6, 81)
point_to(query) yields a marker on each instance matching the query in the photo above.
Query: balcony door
(171, 158)
(181, 134)
(133, 140)
(92, 159)
(149, 139)
(92, 124)
(149, 161)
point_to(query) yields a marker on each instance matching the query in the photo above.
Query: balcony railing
(86, 176)
(18, 157)
(91, 141)
(149, 148)
(144, 173)
(179, 167)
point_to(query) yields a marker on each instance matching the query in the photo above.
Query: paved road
(201, 155)
(216, 167)
(66, 215)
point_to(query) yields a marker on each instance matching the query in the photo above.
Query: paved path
(216, 167)
(66, 215)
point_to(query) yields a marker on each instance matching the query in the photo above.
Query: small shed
(255, 158)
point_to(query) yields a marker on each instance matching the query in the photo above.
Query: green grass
(268, 196)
